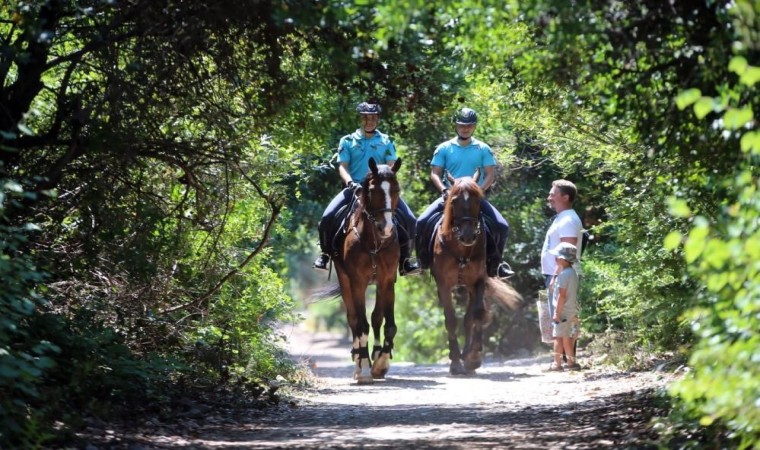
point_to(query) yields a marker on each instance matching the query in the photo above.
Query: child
(563, 293)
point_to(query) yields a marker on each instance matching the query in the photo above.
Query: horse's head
(380, 195)
(462, 209)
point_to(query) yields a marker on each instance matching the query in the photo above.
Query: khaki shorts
(567, 329)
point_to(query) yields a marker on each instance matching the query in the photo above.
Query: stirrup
(409, 267)
(321, 262)
(504, 271)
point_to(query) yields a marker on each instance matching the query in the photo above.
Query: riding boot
(407, 266)
(324, 259)
(422, 259)
(493, 260)
(495, 267)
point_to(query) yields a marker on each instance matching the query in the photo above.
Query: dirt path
(509, 404)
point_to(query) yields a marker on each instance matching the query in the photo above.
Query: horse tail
(327, 292)
(503, 293)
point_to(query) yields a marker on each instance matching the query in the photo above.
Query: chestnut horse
(459, 259)
(369, 253)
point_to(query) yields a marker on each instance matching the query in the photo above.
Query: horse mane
(464, 184)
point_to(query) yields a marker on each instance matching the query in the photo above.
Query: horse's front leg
(360, 350)
(384, 310)
(475, 321)
(450, 316)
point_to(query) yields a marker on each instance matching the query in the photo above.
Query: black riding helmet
(466, 116)
(368, 108)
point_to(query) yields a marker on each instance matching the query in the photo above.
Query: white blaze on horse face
(466, 196)
(386, 186)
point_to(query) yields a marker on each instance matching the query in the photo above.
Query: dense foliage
(143, 121)
(163, 165)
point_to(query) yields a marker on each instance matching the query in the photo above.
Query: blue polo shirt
(463, 161)
(355, 149)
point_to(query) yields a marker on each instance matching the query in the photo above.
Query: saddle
(337, 228)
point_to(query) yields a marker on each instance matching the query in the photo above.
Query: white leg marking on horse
(362, 372)
(386, 185)
(355, 346)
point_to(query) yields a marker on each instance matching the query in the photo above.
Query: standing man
(460, 157)
(354, 152)
(566, 227)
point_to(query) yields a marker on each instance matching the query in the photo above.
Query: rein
(380, 245)
(462, 261)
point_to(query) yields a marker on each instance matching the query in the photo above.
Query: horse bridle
(371, 213)
(458, 221)
(380, 244)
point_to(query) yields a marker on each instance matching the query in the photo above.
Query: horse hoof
(470, 366)
(362, 371)
(363, 380)
(456, 368)
(381, 366)
(472, 360)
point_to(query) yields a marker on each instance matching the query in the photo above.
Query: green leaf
(688, 97)
(13, 186)
(717, 253)
(736, 118)
(750, 142)
(703, 106)
(7, 135)
(696, 242)
(25, 129)
(751, 76)
(678, 207)
(672, 240)
(738, 65)
(32, 227)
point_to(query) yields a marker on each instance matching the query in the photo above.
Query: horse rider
(354, 152)
(460, 157)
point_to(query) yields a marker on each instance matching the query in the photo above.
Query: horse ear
(373, 165)
(450, 178)
(396, 165)
(477, 175)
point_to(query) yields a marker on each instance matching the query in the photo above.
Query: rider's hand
(353, 186)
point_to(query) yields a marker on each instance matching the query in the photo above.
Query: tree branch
(276, 208)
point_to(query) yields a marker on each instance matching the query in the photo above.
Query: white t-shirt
(566, 224)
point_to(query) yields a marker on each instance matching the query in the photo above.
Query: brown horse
(459, 259)
(369, 253)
